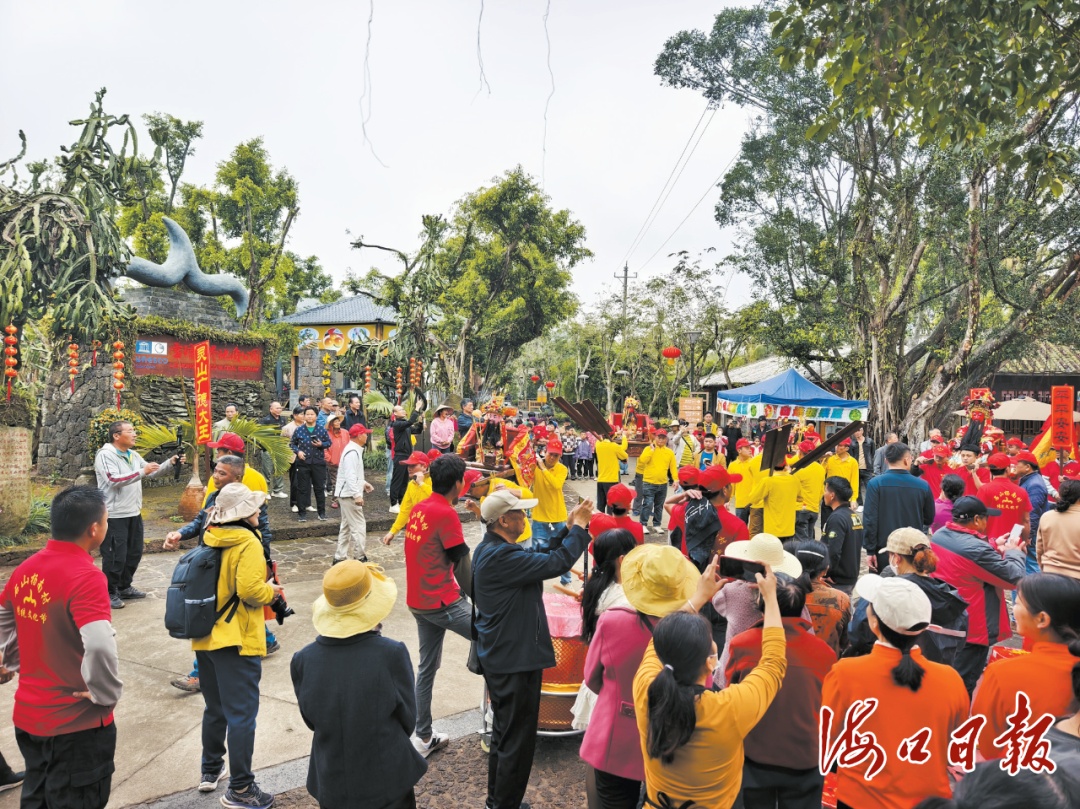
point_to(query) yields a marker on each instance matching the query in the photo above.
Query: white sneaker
(210, 781)
(295, 510)
(280, 494)
(395, 509)
(436, 742)
(312, 508)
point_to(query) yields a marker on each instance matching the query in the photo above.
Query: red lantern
(118, 373)
(549, 385)
(94, 346)
(73, 361)
(534, 379)
(671, 353)
(397, 384)
(10, 351)
(367, 378)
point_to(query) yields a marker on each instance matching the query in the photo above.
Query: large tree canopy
(911, 267)
(485, 281)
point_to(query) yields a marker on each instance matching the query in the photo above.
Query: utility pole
(625, 276)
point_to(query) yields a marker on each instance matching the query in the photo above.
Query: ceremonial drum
(560, 683)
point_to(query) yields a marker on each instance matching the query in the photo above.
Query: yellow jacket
(655, 464)
(848, 469)
(548, 488)
(812, 484)
(608, 455)
(779, 496)
(243, 572)
(413, 494)
(750, 471)
(708, 768)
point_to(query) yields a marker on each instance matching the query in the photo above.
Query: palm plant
(266, 437)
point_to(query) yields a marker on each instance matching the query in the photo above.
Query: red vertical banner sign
(1062, 399)
(203, 419)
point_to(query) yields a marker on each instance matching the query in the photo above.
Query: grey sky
(293, 73)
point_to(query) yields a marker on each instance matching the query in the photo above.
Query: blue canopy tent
(789, 395)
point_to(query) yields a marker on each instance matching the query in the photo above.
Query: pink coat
(612, 742)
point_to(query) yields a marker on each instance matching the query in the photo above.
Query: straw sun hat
(356, 597)
(658, 579)
(235, 502)
(766, 549)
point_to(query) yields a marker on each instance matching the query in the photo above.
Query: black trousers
(292, 484)
(766, 787)
(969, 663)
(515, 702)
(406, 801)
(601, 496)
(616, 792)
(70, 771)
(309, 476)
(399, 481)
(122, 551)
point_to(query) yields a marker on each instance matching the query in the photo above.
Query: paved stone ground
(457, 777)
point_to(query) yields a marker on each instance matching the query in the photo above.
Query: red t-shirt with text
(53, 594)
(1013, 501)
(432, 530)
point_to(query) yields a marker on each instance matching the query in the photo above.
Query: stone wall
(62, 447)
(309, 372)
(65, 417)
(173, 304)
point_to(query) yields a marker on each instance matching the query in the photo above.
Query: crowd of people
(738, 660)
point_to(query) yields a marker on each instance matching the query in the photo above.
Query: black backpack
(191, 600)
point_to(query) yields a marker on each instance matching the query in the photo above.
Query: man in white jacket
(349, 491)
(120, 471)
(56, 631)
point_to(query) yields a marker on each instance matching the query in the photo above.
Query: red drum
(560, 683)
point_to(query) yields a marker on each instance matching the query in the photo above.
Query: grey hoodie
(120, 476)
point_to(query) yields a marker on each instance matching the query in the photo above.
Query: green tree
(60, 248)
(959, 72)
(912, 268)
(258, 206)
(488, 279)
(308, 279)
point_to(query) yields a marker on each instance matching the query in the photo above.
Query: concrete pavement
(158, 727)
(158, 738)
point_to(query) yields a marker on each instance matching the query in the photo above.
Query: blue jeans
(636, 506)
(431, 628)
(389, 468)
(542, 532)
(653, 496)
(230, 688)
(1031, 562)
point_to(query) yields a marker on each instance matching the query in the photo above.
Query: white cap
(898, 603)
(501, 501)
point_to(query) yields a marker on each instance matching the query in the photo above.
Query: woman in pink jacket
(656, 580)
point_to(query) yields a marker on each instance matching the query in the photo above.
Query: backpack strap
(234, 604)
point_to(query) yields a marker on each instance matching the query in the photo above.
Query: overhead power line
(669, 183)
(689, 213)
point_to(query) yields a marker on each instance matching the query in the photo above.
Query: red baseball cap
(1015, 442)
(806, 447)
(659, 433)
(1071, 470)
(554, 446)
(418, 458)
(230, 441)
(1027, 456)
(688, 476)
(940, 451)
(742, 442)
(845, 443)
(714, 478)
(433, 454)
(358, 429)
(599, 523)
(620, 495)
(999, 460)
